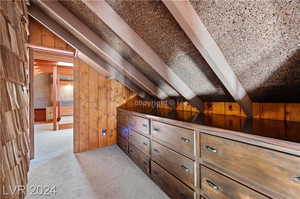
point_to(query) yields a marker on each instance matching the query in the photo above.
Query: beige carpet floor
(105, 173)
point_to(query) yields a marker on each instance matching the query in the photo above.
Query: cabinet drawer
(215, 185)
(141, 159)
(139, 141)
(169, 184)
(139, 124)
(123, 144)
(178, 165)
(276, 172)
(177, 138)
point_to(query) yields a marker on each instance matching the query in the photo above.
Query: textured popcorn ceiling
(260, 40)
(165, 37)
(90, 19)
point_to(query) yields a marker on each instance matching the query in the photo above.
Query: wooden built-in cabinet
(190, 161)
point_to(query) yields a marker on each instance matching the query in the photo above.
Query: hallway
(99, 174)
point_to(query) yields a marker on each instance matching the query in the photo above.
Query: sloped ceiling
(260, 40)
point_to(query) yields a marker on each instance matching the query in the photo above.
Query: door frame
(49, 54)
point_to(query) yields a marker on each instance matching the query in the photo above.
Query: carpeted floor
(105, 173)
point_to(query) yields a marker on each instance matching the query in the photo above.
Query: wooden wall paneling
(76, 107)
(111, 102)
(274, 111)
(102, 110)
(59, 44)
(47, 38)
(93, 109)
(293, 112)
(84, 108)
(232, 108)
(35, 37)
(257, 110)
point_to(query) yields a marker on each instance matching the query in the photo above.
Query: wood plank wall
(41, 36)
(97, 99)
(274, 111)
(14, 100)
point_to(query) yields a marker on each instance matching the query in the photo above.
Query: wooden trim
(51, 54)
(111, 55)
(192, 25)
(37, 48)
(131, 38)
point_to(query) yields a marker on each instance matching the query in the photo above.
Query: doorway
(51, 102)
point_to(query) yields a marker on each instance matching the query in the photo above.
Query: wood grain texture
(176, 164)
(168, 183)
(98, 99)
(215, 185)
(276, 170)
(93, 98)
(14, 100)
(41, 36)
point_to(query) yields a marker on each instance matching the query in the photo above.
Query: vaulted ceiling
(259, 41)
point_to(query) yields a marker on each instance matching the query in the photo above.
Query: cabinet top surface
(282, 133)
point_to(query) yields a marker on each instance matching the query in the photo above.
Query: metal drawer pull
(155, 129)
(185, 139)
(145, 125)
(211, 149)
(212, 185)
(185, 168)
(145, 143)
(157, 151)
(297, 179)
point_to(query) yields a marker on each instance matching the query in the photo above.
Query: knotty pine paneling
(14, 100)
(97, 99)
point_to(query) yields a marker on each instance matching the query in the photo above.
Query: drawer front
(141, 159)
(140, 124)
(275, 171)
(139, 141)
(215, 185)
(123, 144)
(178, 165)
(169, 184)
(179, 139)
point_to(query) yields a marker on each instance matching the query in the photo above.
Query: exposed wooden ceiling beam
(81, 30)
(58, 30)
(192, 25)
(132, 39)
